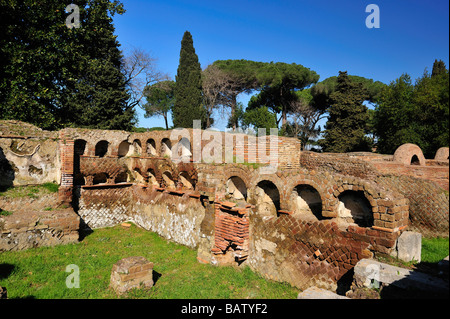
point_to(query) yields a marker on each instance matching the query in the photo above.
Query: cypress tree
(348, 117)
(188, 90)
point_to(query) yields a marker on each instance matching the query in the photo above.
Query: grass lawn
(29, 191)
(41, 272)
(434, 249)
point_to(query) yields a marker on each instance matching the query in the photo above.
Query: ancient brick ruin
(307, 221)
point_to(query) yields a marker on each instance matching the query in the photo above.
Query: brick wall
(173, 215)
(303, 253)
(104, 206)
(36, 222)
(23, 230)
(437, 174)
(231, 232)
(429, 203)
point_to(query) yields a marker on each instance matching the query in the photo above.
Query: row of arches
(305, 201)
(167, 178)
(125, 148)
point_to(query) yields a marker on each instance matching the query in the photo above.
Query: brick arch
(190, 169)
(242, 173)
(277, 181)
(90, 144)
(442, 154)
(165, 166)
(357, 186)
(312, 182)
(141, 145)
(99, 148)
(407, 152)
(144, 164)
(372, 194)
(153, 145)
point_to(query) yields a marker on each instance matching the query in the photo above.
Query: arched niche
(101, 148)
(151, 147)
(100, 178)
(307, 202)
(166, 148)
(354, 207)
(267, 198)
(168, 179)
(186, 180)
(124, 148)
(152, 178)
(236, 188)
(121, 178)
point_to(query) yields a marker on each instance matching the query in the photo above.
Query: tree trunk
(165, 119)
(233, 111)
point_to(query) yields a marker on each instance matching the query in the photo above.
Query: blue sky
(325, 36)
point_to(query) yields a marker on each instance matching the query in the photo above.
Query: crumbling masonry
(308, 222)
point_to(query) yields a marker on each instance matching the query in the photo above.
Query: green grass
(40, 272)
(32, 191)
(434, 249)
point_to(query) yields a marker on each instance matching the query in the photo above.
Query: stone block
(131, 272)
(409, 246)
(374, 274)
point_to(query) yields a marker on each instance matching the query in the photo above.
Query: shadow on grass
(6, 270)
(156, 276)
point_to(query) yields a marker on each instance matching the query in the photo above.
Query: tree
(140, 71)
(431, 99)
(347, 120)
(394, 111)
(438, 68)
(100, 99)
(257, 119)
(279, 82)
(188, 91)
(242, 76)
(322, 91)
(218, 88)
(160, 100)
(304, 118)
(414, 113)
(53, 76)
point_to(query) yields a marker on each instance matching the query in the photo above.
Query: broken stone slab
(131, 272)
(409, 246)
(370, 273)
(319, 293)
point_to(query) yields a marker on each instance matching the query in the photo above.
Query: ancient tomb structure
(301, 217)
